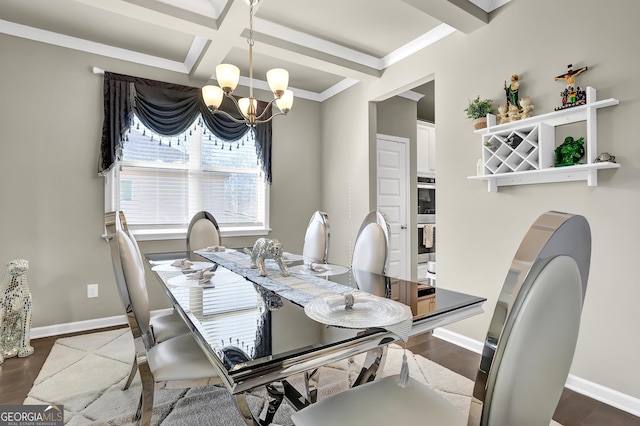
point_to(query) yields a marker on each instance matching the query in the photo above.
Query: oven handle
(426, 186)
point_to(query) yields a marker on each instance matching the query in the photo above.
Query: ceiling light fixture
(228, 77)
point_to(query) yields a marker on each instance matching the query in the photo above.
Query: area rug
(86, 373)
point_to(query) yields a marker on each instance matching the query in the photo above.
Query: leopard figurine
(265, 248)
(15, 311)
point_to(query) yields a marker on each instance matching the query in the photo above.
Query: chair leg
(132, 374)
(311, 384)
(145, 408)
(373, 362)
(276, 395)
(244, 410)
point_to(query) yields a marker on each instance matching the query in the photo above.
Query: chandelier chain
(250, 39)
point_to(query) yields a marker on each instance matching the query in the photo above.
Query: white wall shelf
(523, 152)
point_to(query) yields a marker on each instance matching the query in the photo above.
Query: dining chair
(164, 326)
(371, 249)
(203, 232)
(178, 362)
(527, 352)
(317, 238)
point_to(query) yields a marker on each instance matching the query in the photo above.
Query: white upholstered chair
(527, 352)
(316, 238)
(164, 326)
(174, 363)
(372, 244)
(203, 232)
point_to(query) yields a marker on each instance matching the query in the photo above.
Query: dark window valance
(168, 109)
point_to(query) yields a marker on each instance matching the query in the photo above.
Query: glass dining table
(255, 331)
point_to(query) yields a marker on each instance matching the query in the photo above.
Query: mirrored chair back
(130, 278)
(316, 238)
(203, 232)
(371, 249)
(532, 336)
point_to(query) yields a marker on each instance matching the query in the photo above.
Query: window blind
(164, 180)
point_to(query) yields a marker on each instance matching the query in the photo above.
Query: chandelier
(228, 76)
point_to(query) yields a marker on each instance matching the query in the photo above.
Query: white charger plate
(367, 311)
(322, 269)
(167, 267)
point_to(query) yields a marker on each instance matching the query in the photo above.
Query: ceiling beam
(295, 53)
(460, 14)
(157, 13)
(231, 25)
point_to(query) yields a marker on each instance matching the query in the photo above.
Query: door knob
(403, 226)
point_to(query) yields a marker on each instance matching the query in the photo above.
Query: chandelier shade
(212, 96)
(228, 77)
(285, 102)
(278, 80)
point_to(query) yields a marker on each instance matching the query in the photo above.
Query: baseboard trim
(608, 396)
(598, 392)
(77, 326)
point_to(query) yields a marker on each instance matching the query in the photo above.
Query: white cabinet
(426, 137)
(523, 152)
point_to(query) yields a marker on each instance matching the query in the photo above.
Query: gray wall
(53, 202)
(478, 232)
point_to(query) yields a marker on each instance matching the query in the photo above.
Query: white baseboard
(74, 327)
(598, 392)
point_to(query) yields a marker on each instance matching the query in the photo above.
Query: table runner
(296, 288)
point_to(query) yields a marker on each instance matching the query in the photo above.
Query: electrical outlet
(92, 290)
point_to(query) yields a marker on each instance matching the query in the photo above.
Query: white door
(393, 200)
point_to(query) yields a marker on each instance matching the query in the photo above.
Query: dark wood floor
(18, 374)
(574, 409)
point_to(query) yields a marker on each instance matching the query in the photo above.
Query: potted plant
(478, 110)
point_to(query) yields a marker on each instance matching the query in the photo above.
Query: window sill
(181, 234)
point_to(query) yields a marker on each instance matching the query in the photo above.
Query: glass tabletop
(257, 336)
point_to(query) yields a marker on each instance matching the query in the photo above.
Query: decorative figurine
(512, 90)
(265, 248)
(569, 152)
(15, 311)
(514, 113)
(605, 157)
(572, 95)
(502, 114)
(514, 109)
(525, 107)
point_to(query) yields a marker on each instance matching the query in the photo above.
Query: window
(163, 181)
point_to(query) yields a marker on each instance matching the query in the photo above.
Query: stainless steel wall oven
(426, 219)
(426, 199)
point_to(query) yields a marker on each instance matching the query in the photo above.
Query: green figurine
(569, 152)
(512, 91)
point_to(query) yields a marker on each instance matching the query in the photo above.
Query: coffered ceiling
(326, 46)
